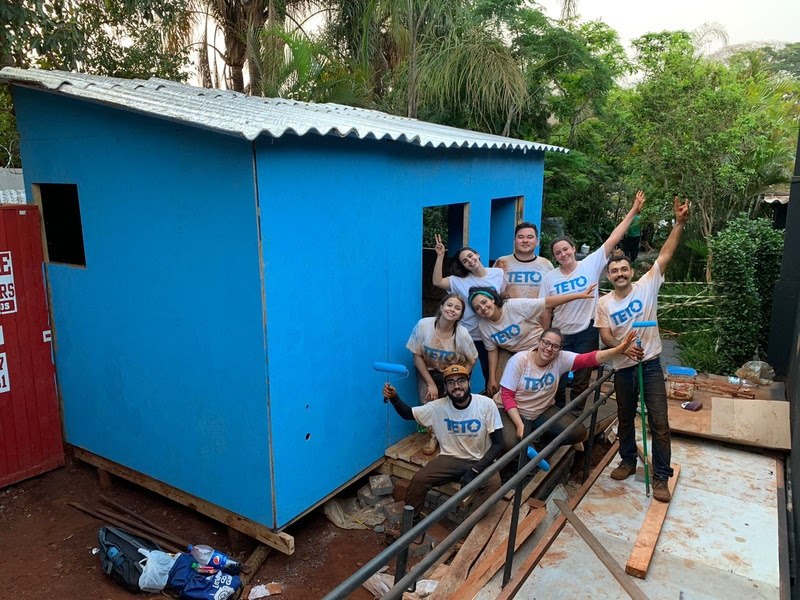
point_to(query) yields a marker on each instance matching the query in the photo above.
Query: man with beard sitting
(469, 431)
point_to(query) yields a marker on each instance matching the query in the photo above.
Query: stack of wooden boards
(753, 416)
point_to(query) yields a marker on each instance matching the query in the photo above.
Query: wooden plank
(645, 545)
(784, 569)
(487, 566)
(253, 563)
(540, 475)
(527, 567)
(500, 534)
(396, 449)
(473, 545)
(281, 541)
(763, 423)
(605, 557)
(104, 478)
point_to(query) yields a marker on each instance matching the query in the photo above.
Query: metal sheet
(719, 538)
(30, 423)
(250, 116)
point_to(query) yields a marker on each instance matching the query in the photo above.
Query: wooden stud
(474, 544)
(253, 564)
(646, 541)
(105, 480)
(527, 567)
(281, 541)
(487, 566)
(784, 569)
(612, 565)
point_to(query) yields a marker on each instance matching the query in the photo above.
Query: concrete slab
(719, 540)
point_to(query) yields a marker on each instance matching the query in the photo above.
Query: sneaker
(430, 446)
(661, 490)
(623, 471)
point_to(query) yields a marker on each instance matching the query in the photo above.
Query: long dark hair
(457, 269)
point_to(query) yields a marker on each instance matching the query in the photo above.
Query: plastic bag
(347, 514)
(756, 371)
(381, 582)
(156, 566)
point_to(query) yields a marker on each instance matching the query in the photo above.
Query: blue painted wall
(163, 358)
(342, 232)
(160, 354)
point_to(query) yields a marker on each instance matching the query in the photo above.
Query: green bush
(745, 263)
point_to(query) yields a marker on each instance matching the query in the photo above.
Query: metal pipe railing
(353, 582)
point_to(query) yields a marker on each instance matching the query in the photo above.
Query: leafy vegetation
(720, 131)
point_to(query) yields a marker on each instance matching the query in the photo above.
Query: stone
(381, 485)
(366, 497)
(394, 512)
(379, 528)
(400, 489)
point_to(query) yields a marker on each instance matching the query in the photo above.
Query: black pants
(584, 341)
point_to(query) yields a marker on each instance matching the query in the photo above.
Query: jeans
(626, 386)
(510, 438)
(584, 341)
(441, 470)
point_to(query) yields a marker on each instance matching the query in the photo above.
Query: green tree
(706, 131)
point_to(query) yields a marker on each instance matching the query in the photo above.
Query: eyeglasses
(453, 381)
(548, 345)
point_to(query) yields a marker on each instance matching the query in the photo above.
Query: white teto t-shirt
(461, 433)
(535, 386)
(640, 305)
(494, 278)
(574, 316)
(523, 278)
(439, 353)
(518, 329)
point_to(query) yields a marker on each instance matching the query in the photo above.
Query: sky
(761, 20)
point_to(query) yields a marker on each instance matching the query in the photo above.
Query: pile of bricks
(434, 499)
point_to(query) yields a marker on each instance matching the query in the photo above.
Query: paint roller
(391, 368)
(643, 324)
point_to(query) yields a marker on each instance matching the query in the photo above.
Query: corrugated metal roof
(251, 116)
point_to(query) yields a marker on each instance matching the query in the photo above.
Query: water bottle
(206, 555)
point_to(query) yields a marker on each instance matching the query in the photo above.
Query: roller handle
(543, 465)
(645, 324)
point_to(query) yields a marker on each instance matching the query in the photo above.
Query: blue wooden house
(224, 270)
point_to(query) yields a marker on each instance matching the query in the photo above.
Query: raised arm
(668, 249)
(622, 228)
(618, 350)
(438, 280)
(552, 301)
(633, 352)
(402, 409)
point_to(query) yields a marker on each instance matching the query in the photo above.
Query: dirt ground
(47, 545)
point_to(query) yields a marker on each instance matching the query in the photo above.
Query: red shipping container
(30, 420)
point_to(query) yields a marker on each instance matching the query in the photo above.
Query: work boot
(430, 446)
(661, 490)
(623, 471)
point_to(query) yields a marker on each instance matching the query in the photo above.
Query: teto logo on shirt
(471, 427)
(533, 384)
(436, 354)
(529, 277)
(507, 334)
(623, 316)
(571, 285)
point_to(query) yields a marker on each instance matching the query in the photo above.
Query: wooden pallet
(281, 541)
